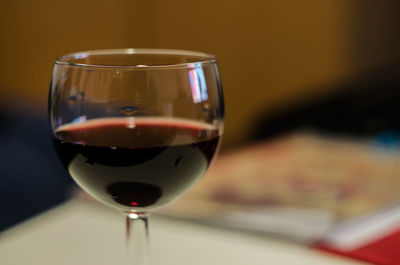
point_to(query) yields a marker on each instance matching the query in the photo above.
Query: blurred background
(331, 65)
(272, 54)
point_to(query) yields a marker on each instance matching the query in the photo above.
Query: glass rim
(204, 58)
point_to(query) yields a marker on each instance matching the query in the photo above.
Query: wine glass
(136, 128)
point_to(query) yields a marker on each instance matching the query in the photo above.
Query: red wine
(136, 163)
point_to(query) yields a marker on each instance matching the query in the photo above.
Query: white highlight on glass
(198, 84)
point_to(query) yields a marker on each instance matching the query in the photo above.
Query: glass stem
(137, 238)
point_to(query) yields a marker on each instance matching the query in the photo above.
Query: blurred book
(299, 186)
(374, 238)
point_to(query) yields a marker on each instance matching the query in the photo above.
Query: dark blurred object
(368, 106)
(31, 178)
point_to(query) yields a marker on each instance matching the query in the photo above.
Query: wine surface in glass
(136, 164)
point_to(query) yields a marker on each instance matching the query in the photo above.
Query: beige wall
(34, 33)
(270, 52)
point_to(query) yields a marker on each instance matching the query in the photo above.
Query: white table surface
(83, 233)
